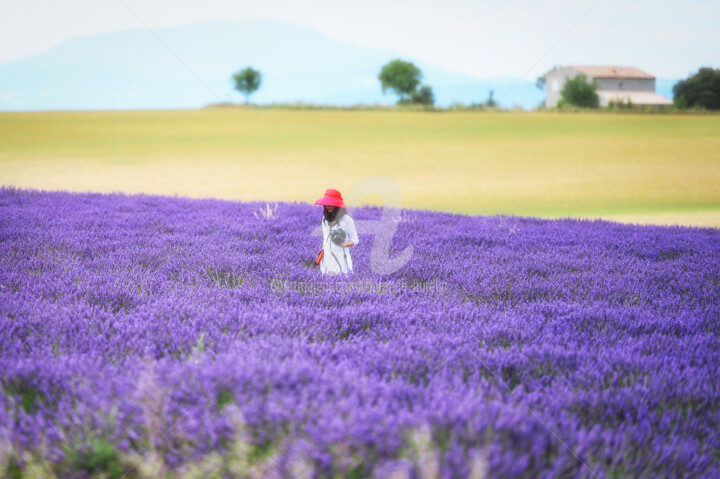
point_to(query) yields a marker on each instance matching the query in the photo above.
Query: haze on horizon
(518, 38)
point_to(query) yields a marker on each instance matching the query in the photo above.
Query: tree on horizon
(701, 90)
(247, 81)
(401, 77)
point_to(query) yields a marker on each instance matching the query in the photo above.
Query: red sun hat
(332, 198)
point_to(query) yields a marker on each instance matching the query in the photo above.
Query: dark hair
(335, 215)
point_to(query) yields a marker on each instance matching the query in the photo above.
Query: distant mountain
(191, 65)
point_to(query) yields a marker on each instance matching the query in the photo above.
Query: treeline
(401, 77)
(700, 91)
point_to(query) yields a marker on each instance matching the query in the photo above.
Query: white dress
(336, 259)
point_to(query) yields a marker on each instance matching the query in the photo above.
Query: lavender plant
(146, 336)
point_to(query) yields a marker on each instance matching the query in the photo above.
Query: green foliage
(247, 81)
(404, 79)
(423, 96)
(13, 471)
(580, 93)
(401, 77)
(98, 457)
(261, 450)
(28, 400)
(621, 104)
(30, 397)
(357, 472)
(224, 397)
(701, 90)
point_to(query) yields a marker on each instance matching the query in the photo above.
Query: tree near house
(701, 90)
(401, 77)
(247, 81)
(580, 93)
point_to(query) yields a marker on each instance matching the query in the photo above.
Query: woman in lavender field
(339, 234)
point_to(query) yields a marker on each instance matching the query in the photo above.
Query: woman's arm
(351, 233)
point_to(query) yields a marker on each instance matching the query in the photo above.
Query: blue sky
(485, 39)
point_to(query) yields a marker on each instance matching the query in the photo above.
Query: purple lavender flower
(148, 336)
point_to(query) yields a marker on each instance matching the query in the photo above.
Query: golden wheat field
(643, 168)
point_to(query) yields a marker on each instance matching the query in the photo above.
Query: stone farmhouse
(611, 82)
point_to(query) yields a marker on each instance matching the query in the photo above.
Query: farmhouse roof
(612, 72)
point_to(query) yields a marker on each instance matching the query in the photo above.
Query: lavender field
(148, 336)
